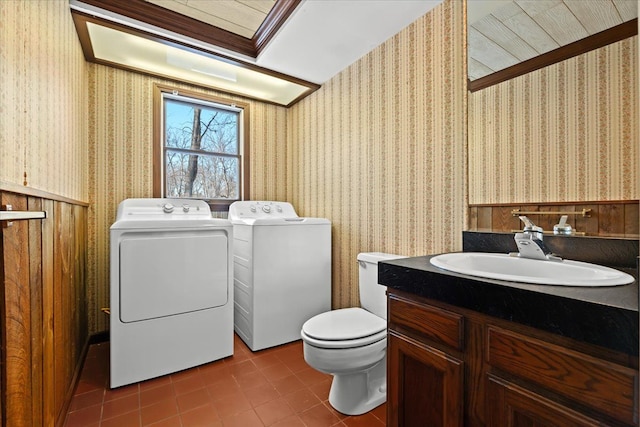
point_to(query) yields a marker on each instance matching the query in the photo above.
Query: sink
(527, 270)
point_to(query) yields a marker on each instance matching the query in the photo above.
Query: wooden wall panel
(35, 286)
(501, 218)
(60, 274)
(631, 217)
(618, 219)
(48, 376)
(16, 320)
(591, 224)
(43, 318)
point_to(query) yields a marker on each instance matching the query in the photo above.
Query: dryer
(171, 288)
(282, 271)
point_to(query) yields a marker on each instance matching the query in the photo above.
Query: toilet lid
(344, 324)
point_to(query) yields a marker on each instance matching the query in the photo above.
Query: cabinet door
(425, 385)
(510, 405)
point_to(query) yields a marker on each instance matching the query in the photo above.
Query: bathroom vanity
(467, 351)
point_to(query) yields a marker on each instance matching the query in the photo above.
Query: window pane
(201, 176)
(222, 131)
(200, 127)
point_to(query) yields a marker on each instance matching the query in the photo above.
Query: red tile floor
(273, 387)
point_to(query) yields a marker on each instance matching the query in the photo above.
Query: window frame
(216, 205)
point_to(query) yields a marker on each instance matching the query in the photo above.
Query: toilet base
(358, 393)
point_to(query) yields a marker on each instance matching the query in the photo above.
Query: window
(201, 148)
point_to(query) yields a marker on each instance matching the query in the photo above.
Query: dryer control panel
(261, 209)
(137, 209)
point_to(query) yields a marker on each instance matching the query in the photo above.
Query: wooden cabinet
(453, 367)
(436, 375)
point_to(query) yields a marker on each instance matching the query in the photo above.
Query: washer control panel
(261, 209)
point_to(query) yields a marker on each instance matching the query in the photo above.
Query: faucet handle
(562, 227)
(529, 225)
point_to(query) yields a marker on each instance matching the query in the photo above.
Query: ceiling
(241, 17)
(304, 43)
(315, 39)
(503, 33)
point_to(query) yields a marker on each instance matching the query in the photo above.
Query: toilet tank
(373, 297)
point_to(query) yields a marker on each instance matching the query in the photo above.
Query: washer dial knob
(266, 209)
(167, 208)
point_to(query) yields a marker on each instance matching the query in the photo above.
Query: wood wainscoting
(608, 218)
(43, 310)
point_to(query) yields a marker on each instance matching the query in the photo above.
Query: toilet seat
(344, 328)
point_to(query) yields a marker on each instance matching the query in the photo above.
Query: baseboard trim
(99, 337)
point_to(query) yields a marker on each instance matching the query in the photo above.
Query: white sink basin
(526, 270)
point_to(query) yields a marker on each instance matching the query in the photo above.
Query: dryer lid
(344, 324)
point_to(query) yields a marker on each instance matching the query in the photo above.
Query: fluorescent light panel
(153, 57)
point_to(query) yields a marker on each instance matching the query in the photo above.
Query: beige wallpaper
(374, 151)
(43, 115)
(380, 149)
(568, 132)
(120, 160)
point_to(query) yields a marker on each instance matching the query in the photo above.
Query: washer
(171, 288)
(282, 271)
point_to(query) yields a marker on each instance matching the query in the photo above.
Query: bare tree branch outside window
(202, 158)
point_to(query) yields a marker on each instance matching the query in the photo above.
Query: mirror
(564, 132)
(508, 38)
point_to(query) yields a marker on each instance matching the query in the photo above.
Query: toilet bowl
(351, 344)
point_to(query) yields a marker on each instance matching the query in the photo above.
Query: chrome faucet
(530, 244)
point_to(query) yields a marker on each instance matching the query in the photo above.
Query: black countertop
(606, 316)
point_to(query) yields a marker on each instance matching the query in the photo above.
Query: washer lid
(344, 324)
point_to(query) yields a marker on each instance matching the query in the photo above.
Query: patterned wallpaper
(380, 149)
(43, 118)
(568, 132)
(120, 160)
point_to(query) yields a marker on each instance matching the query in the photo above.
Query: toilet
(351, 343)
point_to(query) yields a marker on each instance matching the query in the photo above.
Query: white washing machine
(171, 288)
(282, 271)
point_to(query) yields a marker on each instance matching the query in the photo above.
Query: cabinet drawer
(434, 323)
(601, 385)
(511, 405)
